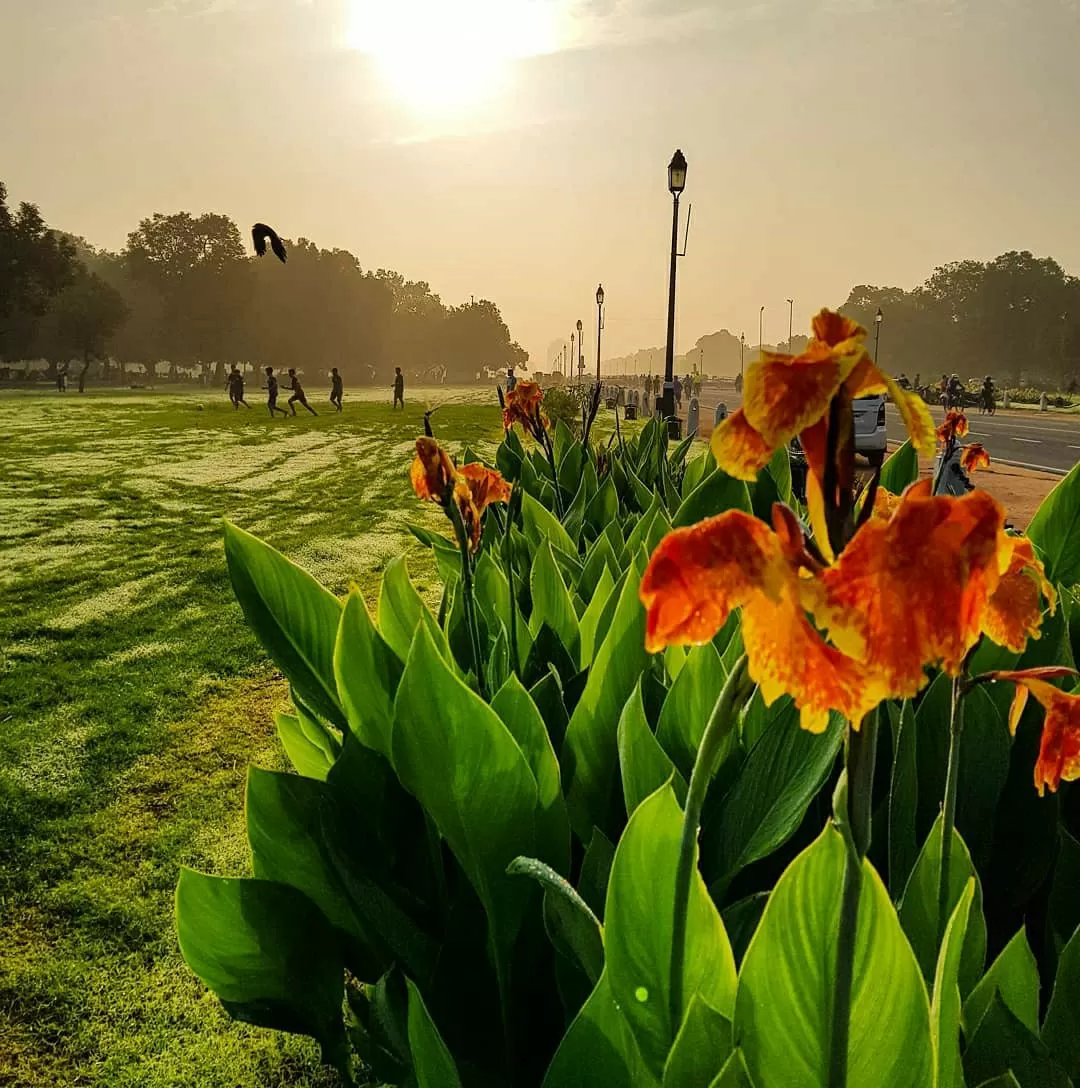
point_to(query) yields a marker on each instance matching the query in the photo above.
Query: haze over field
(516, 149)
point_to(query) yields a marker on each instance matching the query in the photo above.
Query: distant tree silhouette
(35, 264)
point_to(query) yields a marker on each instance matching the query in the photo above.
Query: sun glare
(448, 55)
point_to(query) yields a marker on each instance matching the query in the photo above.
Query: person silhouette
(235, 383)
(335, 388)
(272, 393)
(298, 394)
(399, 388)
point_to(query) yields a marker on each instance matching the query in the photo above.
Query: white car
(870, 439)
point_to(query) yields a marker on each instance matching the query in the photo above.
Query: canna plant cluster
(682, 784)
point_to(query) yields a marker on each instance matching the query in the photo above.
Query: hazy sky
(517, 149)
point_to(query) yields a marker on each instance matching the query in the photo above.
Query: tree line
(1016, 317)
(184, 298)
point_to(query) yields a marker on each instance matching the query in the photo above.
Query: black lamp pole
(676, 184)
(599, 325)
(790, 320)
(579, 362)
(878, 318)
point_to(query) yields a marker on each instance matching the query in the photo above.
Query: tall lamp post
(599, 325)
(790, 320)
(761, 331)
(742, 351)
(676, 184)
(878, 318)
(579, 362)
(572, 355)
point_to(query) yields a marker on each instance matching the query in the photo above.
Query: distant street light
(599, 325)
(761, 331)
(676, 185)
(572, 355)
(742, 350)
(878, 318)
(580, 355)
(790, 319)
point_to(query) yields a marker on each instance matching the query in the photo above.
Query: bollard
(1005, 400)
(721, 414)
(1042, 402)
(692, 410)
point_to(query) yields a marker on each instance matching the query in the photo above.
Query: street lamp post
(878, 318)
(790, 321)
(572, 356)
(579, 362)
(742, 352)
(676, 184)
(761, 331)
(599, 325)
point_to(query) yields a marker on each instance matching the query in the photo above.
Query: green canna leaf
(945, 1007)
(638, 927)
(782, 1019)
(293, 617)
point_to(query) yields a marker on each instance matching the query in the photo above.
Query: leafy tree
(35, 263)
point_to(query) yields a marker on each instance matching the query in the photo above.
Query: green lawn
(132, 698)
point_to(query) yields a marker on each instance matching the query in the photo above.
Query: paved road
(1039, 440)
(1046, 441)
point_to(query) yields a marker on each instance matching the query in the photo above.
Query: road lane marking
(1029, 441)
(1038, 468)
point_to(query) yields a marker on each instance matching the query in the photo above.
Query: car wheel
(876, 459)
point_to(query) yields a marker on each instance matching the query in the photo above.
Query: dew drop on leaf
(641, 994)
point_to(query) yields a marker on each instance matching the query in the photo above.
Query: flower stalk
(716, 732)
(948, 811)
(856, 798)
(468, 599)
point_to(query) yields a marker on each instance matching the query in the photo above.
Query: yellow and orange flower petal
(432, 470)
(866, 379)
(739, 450)
(955, 426)
(784, 394)
(522, 405)
(974, 456)
(912, 591)
(1059, 749)
(699, 574)
(834, 330)
(885, 504)
(470, 514)
(485, 484)
(1014, 612)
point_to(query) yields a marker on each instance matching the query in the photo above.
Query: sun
(440, 56)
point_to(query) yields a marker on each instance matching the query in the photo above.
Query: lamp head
(676, 173)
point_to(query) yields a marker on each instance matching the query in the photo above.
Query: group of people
(689, 385)
(235, 384)
(950, 390)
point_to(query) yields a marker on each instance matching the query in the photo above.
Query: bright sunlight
(437, 57)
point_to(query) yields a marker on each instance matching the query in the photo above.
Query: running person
(272, 393)
(298, 394)
(236, 388)
(399, 388)
(335, 388)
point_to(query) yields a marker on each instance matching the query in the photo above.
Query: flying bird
(260, 233)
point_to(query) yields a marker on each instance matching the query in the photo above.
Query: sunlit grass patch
(133, 697)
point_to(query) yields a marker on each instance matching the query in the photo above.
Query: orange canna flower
(885, 504)
(955, 426)
(784, 395)
(697, 575)
(485, 485)
(475, 487)
(974, 456)
(911, 590)
(1059, 750)
(523, 406)
(432, 470)
(1014, 612)
(470, 512)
